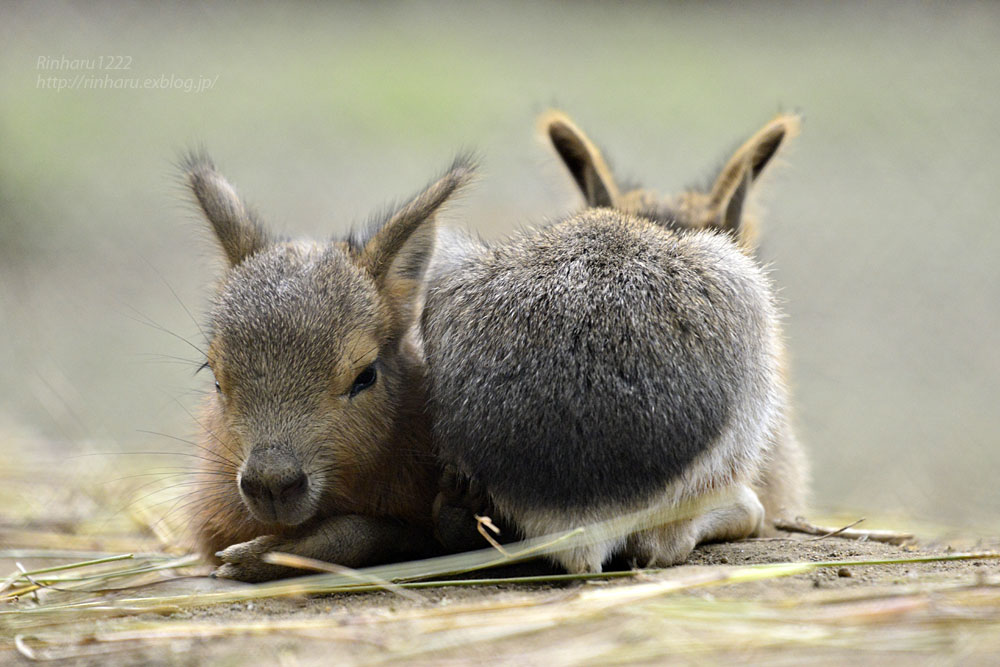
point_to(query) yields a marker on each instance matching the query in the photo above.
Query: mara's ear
(398, 252)
(734, 182)
(235, 226)
(581, 157)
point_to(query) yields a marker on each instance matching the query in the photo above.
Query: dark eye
(365, 379)
(218, 387)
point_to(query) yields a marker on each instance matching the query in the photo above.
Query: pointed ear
(397, 254)
(581, 157)
(732, 187)
(235, 226)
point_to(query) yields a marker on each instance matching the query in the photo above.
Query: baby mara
(625, 359)
(317, 439)
(617, 365)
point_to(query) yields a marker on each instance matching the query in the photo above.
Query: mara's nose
(274, 485)
(286, 488)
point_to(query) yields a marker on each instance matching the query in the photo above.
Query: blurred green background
(881, 227)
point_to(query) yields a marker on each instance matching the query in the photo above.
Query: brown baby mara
(317, 440)
(618, 365)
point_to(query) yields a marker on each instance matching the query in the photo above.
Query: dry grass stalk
(800, 525)
(919, 621)
(291, 560)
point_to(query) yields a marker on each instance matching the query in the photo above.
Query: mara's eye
(218, 387)
(365, 379)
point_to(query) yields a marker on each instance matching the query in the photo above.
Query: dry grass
(83, 617)
(67, 596)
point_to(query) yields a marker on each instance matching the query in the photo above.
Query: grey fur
(599, 366)
(607, 364)
(725, 204)
(614, 354)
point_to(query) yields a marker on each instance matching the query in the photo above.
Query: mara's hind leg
(661, 546)
(593, 544)
(672, 543)
(739, 519)
(784, 478)
(585, 559)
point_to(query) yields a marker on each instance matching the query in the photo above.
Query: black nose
(287, 487)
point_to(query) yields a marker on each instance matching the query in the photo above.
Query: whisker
(149, 322)
(179, 301)
(186, 454)
(192, 497)
(168, 358)
(210, 432)
(220, 458)
(233, 505)
(135, 501)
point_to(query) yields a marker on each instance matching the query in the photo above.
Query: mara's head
(308, 345)
(722, 205)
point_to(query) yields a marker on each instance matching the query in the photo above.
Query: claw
(453, 483)
(233, 553)
(247, 551)
(477, 496)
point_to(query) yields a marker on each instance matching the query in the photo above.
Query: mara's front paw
(244, 561)
(460, 500)
(461, 491)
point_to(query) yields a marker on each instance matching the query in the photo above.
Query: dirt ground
(931, 613)
(730, 602)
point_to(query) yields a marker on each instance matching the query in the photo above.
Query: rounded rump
(591, 362)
